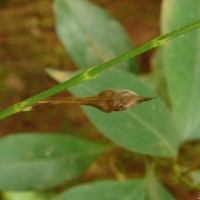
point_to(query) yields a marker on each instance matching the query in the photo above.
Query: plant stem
(93, 72)
(158, 41)
(26, 105)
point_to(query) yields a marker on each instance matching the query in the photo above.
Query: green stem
(27, 104)
(145, 47)
(93, 72)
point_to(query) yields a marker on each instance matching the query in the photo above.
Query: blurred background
(29, 45)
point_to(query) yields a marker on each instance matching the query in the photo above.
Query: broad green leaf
(89, 34)
(156, 79)
(181, 58)
(141, 189)
(106, 190)
(196, 176)
(155, 190)
(40, 161)
(30, 195)
(147, 128)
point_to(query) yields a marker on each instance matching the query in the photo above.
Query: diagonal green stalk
(93, 72)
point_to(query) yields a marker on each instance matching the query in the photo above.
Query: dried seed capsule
(106, 101)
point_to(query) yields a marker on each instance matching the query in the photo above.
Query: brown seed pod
(106, 101)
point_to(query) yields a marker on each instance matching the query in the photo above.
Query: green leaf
(24, 196)
(147, 128)
(181, 58)
(155, 190)
(36, 161)
(106, 190)
(156, 79)
(141, 189)
(89, 34)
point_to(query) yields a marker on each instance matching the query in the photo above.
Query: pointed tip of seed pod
(118, 100)
(142, 99)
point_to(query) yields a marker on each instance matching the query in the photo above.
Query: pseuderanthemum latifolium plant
(155, 129)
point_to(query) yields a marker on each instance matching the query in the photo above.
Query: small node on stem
(87, 75)
(22, 107)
